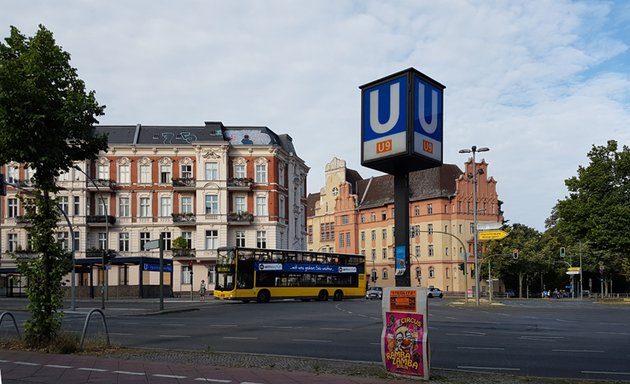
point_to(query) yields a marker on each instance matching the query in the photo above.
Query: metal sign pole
(161, 271)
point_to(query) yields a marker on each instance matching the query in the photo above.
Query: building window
(212, 204)
(417, 251)
(373, 253)
(124, 174)
(102, 240)
(384, 234)
(472, 227)
(123, 242)
(123, 207)
(261, 239)
(447, 273)
(430, 250)
(77, 205)
(12, 242)
(145, 207)
(240, 238)
(167, 240)
(103, 171)
(373, 235)
(166, 207)
(212, 239)
(186, 171)
(418, 274)
(431, 272)
(187, 235)
(430, 229)
(446, 251)
(310, 234)
(62, 239)
(281, 174)
(282, 208)
(145, 237)
(417, 210)
(76, 240)
(362, 218)
(383, 215)
(261, 173)
(362, 236)
(461, 229)
(261, 206)
(348, 239)
(384, 253)
(385, 274)
(187, 204)
(123, 275)
(429, 209)
(239, 171)
(103, 205)
(145, 173)
(211, 171)
(186, 275)
(12, 207)
(13, 173)
(240, 204)
(210, 277)
(373, 276)
(165, 174)
(342, 241)
(373, 216)
(63, 204)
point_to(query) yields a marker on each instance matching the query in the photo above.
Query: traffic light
(562, 252)
(109, 256)
(190, 264)
(462, 267)
(3, 186)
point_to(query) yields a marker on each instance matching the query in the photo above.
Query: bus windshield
(225, 269)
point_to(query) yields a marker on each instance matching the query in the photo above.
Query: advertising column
(405, 336)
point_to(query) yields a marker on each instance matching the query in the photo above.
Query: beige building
(355, 215)
(212, 185)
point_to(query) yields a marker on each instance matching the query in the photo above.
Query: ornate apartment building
(355, 215)
(212, 185)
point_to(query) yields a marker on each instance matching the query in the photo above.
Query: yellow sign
(492, 235)
(574, 269)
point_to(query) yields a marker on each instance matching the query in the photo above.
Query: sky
(538, 82)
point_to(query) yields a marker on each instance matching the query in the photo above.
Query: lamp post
(105, 212)
(474, 150)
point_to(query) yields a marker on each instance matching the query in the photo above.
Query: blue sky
(538, 82)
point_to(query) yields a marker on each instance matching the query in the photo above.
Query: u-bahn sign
(402, 122)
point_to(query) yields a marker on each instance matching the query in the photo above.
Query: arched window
(431, 272)
(385, 274)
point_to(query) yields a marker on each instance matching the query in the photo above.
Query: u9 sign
(401, 122)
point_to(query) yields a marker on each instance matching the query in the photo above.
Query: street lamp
(105, 212)
(474, 150)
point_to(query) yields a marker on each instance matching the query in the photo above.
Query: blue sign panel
(305, 268)
(385, 116)
(156, 267)
(401, 264)
(428, 119)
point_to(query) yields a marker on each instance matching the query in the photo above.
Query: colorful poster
(403, 343)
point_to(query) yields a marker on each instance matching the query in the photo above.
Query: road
(557, 338)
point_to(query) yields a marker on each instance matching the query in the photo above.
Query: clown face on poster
(404, 340)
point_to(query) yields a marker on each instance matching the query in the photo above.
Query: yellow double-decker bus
(263, 274)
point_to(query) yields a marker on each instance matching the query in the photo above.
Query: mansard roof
(423, 185)
(311, 200)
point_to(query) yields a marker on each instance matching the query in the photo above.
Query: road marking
(129, 373)
(129, 323)
(26, 363)
(451, 318)
(4, 361)
(602, 323)
(577, 350)
(249, 382)
(483, 348)
(565, 321)
(92, 369)
(336, 329)
(605, 373)
(170, 376)
(240, 338)
(312, 341)
(174, 325)
(212, 380)
(57, 366)
(120, 334)
(465, 333)
(174, 336)
(278, 326)
(223, 325)
(541, 338)
(488, 368)
(615, 333)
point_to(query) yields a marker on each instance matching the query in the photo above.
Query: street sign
(153, 244)
(569, 272)
(489, 226)
(492, 235)
(576, 269)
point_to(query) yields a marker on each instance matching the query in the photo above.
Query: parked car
(434, 292)
(374, 293)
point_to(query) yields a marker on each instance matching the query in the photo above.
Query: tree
(597, 210)
(46, 123)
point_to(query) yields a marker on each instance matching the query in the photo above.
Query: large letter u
(394, 109)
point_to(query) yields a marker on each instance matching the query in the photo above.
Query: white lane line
(120, 334)
(541, 338)
(173, 325)
(224, 325)
(565, 321)
(92, 369)
(129, 323)
(174, 336)
(4, 361)
(577, 350)
(240, 338)
(129, 373)
(605, 373)
(603, 323)
(488, 368)
(212, 380)
(451, 318)
(170, 376)
(336, 329)
(483, 348)
(26, 363)
(58, 366)
(278, 326)
(249, 382)
(615, 333)
(312, 341)
(476, 334)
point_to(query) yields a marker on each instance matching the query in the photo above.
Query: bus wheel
(263, 296)
(323, 295)
(338, 295)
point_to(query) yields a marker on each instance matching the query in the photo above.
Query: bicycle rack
(14, 322)
(87, 321)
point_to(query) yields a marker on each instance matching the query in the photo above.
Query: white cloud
(537, 82)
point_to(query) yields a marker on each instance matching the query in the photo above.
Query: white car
(374, 293)
(434, 292)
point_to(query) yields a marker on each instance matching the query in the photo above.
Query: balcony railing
(101, 184)
(240, 218)
(183, 252)
(184, 183)
(188, 218)
(98, 220)
(240, 184)
(22, 220)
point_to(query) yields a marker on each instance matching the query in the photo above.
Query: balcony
(101, 185)
(22, 221)
(240, 184)
(184, 253)
(188, 218)
(184, 184)
(240, 218)
(100, 220)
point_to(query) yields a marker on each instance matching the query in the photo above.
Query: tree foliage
(597, 211)
(46, 123)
